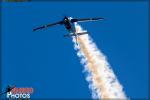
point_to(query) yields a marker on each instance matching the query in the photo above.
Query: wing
(45, 26)
(86, 19)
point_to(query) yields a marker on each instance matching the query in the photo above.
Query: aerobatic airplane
(68, 22)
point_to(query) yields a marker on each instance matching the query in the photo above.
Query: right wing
(45, 26)
(86, 19)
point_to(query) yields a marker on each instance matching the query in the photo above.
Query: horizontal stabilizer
(75, 34)
(82, 33)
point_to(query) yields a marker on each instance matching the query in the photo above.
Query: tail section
(75, 35)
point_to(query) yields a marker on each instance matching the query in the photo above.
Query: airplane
(8, 89)
(68, 22)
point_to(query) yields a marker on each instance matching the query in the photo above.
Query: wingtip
(34, 30)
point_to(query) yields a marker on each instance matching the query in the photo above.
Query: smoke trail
(102, 80)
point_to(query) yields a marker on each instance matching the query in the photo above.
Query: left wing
(86, 19)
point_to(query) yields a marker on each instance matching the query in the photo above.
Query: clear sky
(46, 61)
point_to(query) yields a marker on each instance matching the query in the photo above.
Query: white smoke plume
(102, 80)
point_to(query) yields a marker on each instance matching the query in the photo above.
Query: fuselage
(68, 24)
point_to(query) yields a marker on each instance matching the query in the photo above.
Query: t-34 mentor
(68, 22)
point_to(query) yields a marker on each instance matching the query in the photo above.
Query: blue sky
(46, 61)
